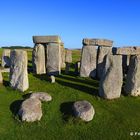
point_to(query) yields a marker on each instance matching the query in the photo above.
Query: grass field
(114, 120)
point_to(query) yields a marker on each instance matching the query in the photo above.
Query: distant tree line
(16, 47)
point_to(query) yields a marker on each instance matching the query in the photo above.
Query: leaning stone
(84, 110)
(39, 66)
(30, 110)
(42, 96)
(68, 54)
(102, 52)
(88, 61)
(112, 78)
(18, 70)
(98, 42)
(46, 39)
(5, 58)
(53, 59)
(132, 85)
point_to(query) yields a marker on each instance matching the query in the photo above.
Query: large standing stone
(53, 59)
(102, 52)
(5, 58)
(30, 110)
(1, 78)
(18, 70)
(39, 59)
(132, 85)
(62, 56)
(88, 61)
(84, 110)
(112, 78)
(68, 54)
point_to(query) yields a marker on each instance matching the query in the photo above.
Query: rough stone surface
(112, 78)
(5, 58)
(18, 70)
(30, 110)
(130, 50)
(132, 85)
(62, 56)
(46, 39)
(98, 42)
(68, 54)
(53, 59)
(42, 96)
(39, 66)
(88, 61)
(84, 110)
(102, 52)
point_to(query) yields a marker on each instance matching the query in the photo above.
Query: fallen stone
(30, 110)
(132, 85)
(46, 39)
(18, 70)
(88, 61)
(42, 96)
(98, 42)
(39, 66)
(102, 52)
(112, 77)
(5, 58)
(84, 110)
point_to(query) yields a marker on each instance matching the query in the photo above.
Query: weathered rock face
(18, 70)
(5, 58)
(30, 110)
(98, 42)
(132, 85)
(102, 52)
(68, 54)
(130, 50)
(62, 56)
(42, 96)
(88, 61)
(39, 59)
(112, 78)
(53, 59)
(84, 110)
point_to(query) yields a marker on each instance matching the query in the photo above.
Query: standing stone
(52, 78)
(53, 59)
(62, 56)
(5, 58)
(18, 70)
(39, 59)
(30, 110)
(132, 85)
(68, 60)
(88, 61)
(112, 78)
(77, 67)
(102, 52)
(1, 78)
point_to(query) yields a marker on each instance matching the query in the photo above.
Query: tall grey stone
(88, 61)
(132, 85)
(68, 56)
(5, 58)
(53, 59)
(1, 78)
(112, 78)
(62, 55)
(102, 52)
(18, 70)
(39, 59)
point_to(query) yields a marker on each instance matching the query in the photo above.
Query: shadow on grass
(6, 83)
(66, 110)
(43, 77)
(15, 106)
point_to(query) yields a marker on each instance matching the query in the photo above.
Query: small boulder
(83, 110)
(42, 96)
(30, 110)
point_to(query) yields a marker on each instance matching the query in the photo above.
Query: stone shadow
(6, 83)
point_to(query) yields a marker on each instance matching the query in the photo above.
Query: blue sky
(73, 20)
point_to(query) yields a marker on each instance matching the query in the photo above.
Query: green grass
(114, 120)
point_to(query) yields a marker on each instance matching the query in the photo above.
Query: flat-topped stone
(46, 39)
(129, 50)
(97, 42)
